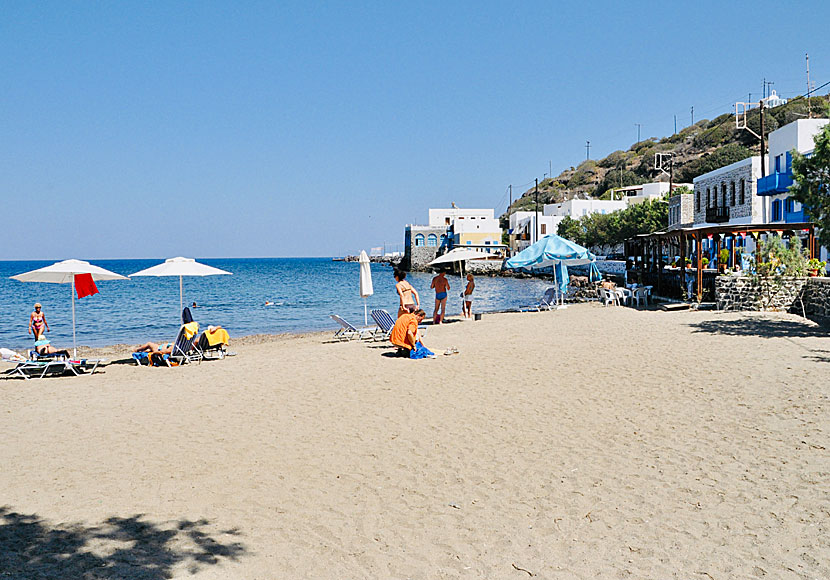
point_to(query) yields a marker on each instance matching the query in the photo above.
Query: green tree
(571, 229)
(812, 183)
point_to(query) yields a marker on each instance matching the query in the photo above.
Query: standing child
(467, 306)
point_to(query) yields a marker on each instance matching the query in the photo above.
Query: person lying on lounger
(155, 348)
(43, 348)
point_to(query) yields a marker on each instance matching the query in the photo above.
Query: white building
(523, 230)
(576, 208)
(727, 195)
(645, 191)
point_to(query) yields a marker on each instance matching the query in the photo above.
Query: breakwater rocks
(803, 296)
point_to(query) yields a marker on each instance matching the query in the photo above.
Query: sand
(586, 443)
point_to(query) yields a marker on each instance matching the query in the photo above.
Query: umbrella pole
(365, 313)
(181, 295)
(74, 341)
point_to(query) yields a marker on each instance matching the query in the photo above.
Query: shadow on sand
(761, 327)
(130, 547)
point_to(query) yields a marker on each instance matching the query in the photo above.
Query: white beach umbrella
(366, 288)
(181, 267)
(460, 256)
(64, 273)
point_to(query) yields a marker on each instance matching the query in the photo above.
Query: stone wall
(749, 293)
(729, 179)
(802, 296)
(817, 300)
(681, 210)
(417, 258)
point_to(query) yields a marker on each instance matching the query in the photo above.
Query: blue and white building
(774, 186)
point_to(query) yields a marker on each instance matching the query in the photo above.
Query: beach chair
(348, 331)
(385, 323)
(209, 351)
(608, 297)
(31, 369)
(548, 299)
(183, 351)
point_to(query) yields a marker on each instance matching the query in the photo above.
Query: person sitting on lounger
(43, 348)
(155, 348)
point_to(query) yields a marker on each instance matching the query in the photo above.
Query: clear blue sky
(230, 129)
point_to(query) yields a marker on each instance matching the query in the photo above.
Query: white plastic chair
(608, 297)
(640, 295)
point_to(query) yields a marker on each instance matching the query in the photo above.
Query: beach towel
(85, 285)
(420, 351)
(190, 329)
(216, 336)
(11, 356)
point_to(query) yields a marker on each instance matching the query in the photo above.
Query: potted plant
(705, 262)
(814, 265)
(723, 259)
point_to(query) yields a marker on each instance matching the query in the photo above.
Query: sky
(275, 129)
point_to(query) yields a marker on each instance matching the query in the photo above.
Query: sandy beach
(586, 443)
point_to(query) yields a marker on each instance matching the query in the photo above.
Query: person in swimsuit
(154, 348)
(441, 286)
(409, 299)
(43, 348)
(37, 322)
(467, 306)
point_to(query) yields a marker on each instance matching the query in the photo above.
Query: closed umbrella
(181, 267)
(366, 288)
(64, 273)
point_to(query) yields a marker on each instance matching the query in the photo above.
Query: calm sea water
(305, 291)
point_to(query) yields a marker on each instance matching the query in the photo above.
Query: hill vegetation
(698, 149)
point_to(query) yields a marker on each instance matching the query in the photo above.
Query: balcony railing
(717, 215)
(775, 183)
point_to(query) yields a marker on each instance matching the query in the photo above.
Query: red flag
(85, 285)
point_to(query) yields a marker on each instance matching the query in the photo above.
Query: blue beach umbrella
(553, 252)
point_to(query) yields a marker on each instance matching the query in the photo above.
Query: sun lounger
(218, 350)
(39, 369)
(182, 351)
(385, 323)
(348, 331)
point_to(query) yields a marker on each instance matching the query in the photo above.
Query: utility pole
(763, 163)
(675, 124)
(809, 88)
(764, 89)
(536, 221)
(587, 150)
(638, 125)
(550, 168)
(510, 187)
(693, 114)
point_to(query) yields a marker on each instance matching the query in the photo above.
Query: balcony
(717, 215)
(775, 183)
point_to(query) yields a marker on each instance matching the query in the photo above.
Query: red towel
(85, 285)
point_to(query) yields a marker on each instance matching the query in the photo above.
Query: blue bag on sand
(420, 351)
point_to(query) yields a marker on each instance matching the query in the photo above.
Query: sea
(304, 292)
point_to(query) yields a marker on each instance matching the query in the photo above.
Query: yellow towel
(190, 329)
(217, 336)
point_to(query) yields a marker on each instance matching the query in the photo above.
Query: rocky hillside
(697, 149)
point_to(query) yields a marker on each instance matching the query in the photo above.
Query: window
(743, 192)
(544, 229)
(419, 240)
(446, 221)
(603, 212)
(469, 242)
(708, 198)
(778, 159)
(432, 240)
(788, 205)
(776, 210)
(697, 200)
(732, 194)
(724, 201)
